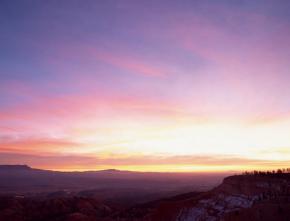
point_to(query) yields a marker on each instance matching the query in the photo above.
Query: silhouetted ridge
(111, 170)
(14, 167)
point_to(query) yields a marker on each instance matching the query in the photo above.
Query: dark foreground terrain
(126, 196)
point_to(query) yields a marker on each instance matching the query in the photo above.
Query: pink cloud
(35, 145)
(73, 106)
(122, 58)
(130, 63)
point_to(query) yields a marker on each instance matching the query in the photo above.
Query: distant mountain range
(24, 179)
(123, 188)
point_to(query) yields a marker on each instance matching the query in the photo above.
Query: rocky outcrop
(237, 194)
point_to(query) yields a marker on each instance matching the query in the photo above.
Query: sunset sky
(145, 85)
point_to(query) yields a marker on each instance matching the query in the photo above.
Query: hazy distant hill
(108, 185)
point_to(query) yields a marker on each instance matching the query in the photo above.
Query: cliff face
(237, 196)
(252, 185)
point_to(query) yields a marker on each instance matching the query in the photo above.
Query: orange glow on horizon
(175, 168)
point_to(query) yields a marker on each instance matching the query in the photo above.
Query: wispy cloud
(131, 64)
(36, 145)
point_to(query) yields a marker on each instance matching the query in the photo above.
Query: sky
(197, 85)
